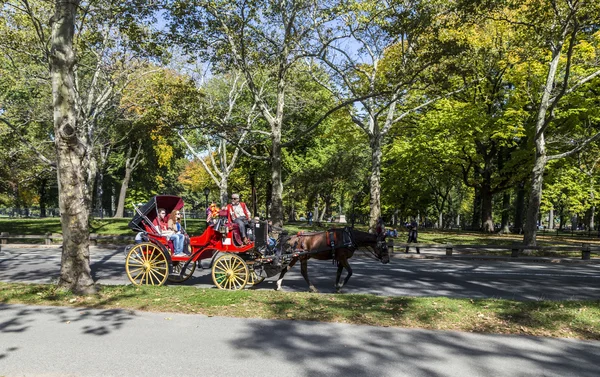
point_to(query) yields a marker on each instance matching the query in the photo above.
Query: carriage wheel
(230, 272)
(146, 264)
(254, 279)
(176, 277)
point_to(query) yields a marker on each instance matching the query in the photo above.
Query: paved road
(402, 277)
(56, 341)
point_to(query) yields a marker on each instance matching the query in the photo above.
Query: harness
(331, 240)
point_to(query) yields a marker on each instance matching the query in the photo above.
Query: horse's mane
(364, 236)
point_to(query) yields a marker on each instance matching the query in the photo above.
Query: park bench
(516, 250)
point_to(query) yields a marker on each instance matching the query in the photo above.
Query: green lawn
(565, 319)
(110, 226)
(107, 226)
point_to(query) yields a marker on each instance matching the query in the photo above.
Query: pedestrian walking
(412, 234)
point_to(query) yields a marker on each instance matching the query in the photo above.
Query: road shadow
(18, 318)
(318, 349)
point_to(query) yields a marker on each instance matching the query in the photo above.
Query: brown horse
(337, 244)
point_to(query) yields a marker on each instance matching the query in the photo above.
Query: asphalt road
(517, 280)
(57, 341)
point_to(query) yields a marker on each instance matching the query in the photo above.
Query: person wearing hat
(238, 213)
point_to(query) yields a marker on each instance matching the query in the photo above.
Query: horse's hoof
(313, 290)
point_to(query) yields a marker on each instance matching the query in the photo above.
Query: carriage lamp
(206, 192)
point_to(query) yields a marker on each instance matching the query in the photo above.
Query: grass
(107, 226)
(565, 319)
(110, 226)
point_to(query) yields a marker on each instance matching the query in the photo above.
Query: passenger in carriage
(162, 225)
(175, 225)
(238, 213)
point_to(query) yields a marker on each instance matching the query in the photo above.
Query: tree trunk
(130, 164)
(486, 209)
(123, 193)
(551, 219)
(253, 191)
(505, 212)
(561, 224)
(75, 272)
(223, 187)
(99, 192)
(535, 198)
(125, 183)
(43, 196)
(322, 213)
(519, 208)
(592, 209)
(476, 221)
(276, 180)
(541, 159)
(292, 216)
(375, 180)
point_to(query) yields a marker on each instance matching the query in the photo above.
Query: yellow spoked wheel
(230, 272)
(146, 264)
(177, 277)
(254, 279)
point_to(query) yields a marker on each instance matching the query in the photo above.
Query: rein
(369, 253)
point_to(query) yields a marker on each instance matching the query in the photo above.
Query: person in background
(309, 217)
(412, 234)
(238, 213)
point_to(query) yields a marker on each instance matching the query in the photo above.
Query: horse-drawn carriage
(152, 261)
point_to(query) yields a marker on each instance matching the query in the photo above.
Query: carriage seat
(162, 239)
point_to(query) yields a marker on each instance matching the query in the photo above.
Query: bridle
(375, 253)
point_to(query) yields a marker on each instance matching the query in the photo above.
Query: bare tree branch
(38, 154)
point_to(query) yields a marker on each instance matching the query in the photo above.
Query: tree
(226, 117)
(88, 68)
(71, 153)
(154, 107)
(264, 40)
(382, 59)
(556, 34)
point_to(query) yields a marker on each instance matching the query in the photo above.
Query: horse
(337, 244)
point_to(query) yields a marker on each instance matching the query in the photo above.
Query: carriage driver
(238, 213)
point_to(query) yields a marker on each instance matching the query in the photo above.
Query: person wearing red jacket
(238, 213)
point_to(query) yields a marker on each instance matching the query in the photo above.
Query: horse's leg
(343, 264)
(283, 271)
(304, 270)
(338, 276)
